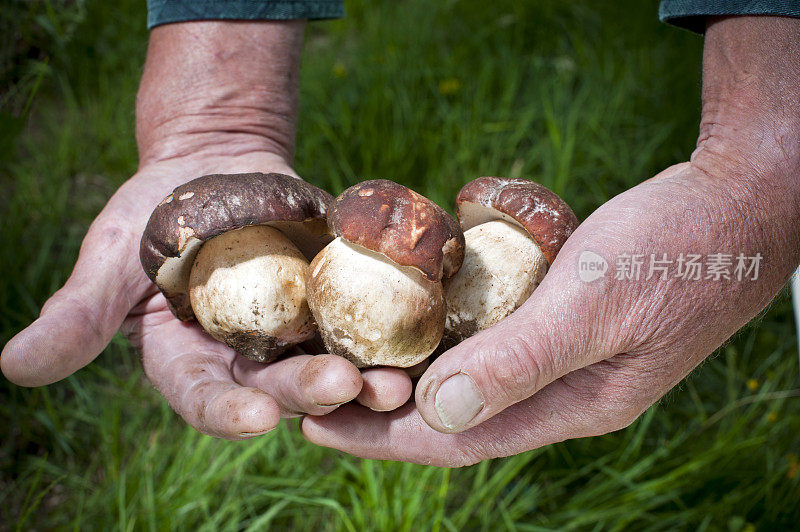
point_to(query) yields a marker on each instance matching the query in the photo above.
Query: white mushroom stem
(502, 267)
(373, 311)
(248, 288)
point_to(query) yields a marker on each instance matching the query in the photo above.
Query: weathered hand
(586, 358)
(216, 97)
(213, 389)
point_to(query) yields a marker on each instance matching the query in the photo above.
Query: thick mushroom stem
(247, 288)
(371, 310)
(502, 267)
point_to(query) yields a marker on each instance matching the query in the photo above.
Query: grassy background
(588, 97)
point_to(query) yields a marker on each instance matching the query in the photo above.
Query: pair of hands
(577, 359)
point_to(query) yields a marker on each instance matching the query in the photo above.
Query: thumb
(556, 331)
(80, 319)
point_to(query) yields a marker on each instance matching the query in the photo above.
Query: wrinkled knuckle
(183, 377)
(110, 233)
(208, 407)
(518, 367)
(82, 310)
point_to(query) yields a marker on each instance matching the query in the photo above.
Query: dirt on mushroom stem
(273, 209)
(247, 288)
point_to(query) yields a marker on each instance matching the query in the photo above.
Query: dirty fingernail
(458, 401)
(253, 434)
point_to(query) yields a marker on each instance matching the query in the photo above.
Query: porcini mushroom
(376, 290)
(232, 251)
(513, 229)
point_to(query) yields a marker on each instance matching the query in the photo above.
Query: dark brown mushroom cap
(407, 227)
(214, 204)
(544, 215)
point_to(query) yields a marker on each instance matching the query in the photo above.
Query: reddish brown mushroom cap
(407, 227)
(214, 204)
(544, 215)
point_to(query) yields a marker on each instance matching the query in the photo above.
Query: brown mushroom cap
(544, 215)
(214, 204)
(407, 227)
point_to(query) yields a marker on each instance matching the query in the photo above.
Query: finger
(403, 435)
(193, 373)
(556, 331)
(302, 383)
(417, 370)
(585, 403)
(385, 389)
(80, 319)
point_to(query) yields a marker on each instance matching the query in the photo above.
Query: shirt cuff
(691, 14)
(166, 11)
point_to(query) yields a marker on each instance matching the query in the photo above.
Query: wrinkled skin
(210, 102)
(581, 359)
(577, 359)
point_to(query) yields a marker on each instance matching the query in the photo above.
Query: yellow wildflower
(449, 86)
(339, 70)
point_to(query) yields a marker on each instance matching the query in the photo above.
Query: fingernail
(458, 401)
(328, 405)
(253, 434)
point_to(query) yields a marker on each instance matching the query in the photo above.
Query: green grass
(590, 98)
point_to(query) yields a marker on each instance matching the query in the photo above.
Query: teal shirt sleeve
(166, 11)
(691, 14)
